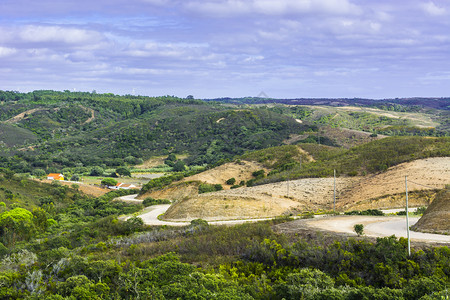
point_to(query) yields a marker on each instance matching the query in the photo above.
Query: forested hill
(68, 128)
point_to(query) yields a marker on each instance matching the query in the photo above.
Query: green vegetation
(373, 157)
(359, 229)
(57, 243)
(89, 129)
(368, 212)
(248, 261)
(149, 201)
(207, 188)
(109, 182)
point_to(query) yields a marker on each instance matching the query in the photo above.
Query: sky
(228, 48)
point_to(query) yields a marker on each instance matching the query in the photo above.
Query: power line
(422, 185)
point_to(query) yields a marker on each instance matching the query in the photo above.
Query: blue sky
(228, 48)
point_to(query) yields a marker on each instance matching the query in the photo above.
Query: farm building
(55, 176)
(124, 186)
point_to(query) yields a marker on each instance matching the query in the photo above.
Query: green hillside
(373, 157)
(14, 136)
(94, 129)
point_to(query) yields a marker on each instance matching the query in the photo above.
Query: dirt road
(376, 227)
(373, 226)
(151, 213)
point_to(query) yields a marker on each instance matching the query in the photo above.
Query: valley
(230, 198)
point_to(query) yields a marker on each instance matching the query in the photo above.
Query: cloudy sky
(235, 48)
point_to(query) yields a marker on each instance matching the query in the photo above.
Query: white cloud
(433, 9)
(274, 8)
(5, 51)
(43, 34)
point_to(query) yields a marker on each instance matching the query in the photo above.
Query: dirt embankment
(188, 187)
(384, 190)
(240, 171)
(436, 218)
(387, 189)
(260, 201)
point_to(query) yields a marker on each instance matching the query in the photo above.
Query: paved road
(130, 198)
(373, 226)
(150, 217)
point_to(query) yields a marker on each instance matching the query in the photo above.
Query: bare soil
(387, 189)
(436, 218)
(382, 190)
(21, 116)
(85, 188)
(239, 171)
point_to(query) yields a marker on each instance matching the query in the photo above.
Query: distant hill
(415, 103)
(436, 218)
(67, 129)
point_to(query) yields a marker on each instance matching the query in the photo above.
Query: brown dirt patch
(349, 138)
(219, 175)
(21, 116)
(436, 218)
(85, 188)
(177, 192)
(385, 190)
(374, 191)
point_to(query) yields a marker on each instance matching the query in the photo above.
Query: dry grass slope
(383, 190)
(436, 218)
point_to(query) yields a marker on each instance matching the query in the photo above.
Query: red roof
(55, 175)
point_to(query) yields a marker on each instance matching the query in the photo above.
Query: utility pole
(288, 184)
(334, 192)
(407, 217)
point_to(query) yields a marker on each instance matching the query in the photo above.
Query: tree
(122, 171)
(179, 166)
(38, 172)
(170, 160)
(16, 223)
(359, 229)
(97, 171)
(109, 182)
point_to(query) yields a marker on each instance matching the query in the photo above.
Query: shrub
(199, 222)
(218, 187)
(151, 201)
(231, 181)
(207, 188)
(109, 182)
(38, 172)
(258, 174)
(359, 229)
(96, 171)
(420, 210)
(179, 166)
(352, 173)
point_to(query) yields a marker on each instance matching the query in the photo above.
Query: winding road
(374, 226)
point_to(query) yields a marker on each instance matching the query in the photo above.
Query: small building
(55, 176)
(125, 186)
